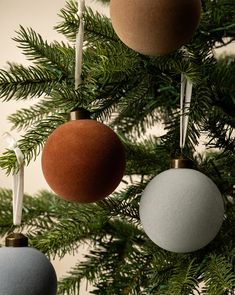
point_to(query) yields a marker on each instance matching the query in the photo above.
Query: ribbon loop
(18, 180)
(185, 101)
(79, 45)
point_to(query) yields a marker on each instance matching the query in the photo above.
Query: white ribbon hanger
(185, 101)
(79, 44)
(18, 179)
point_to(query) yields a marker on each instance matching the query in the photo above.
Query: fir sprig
(219, 276)
(31, 143)
(97, 27)
(55, 56)
(21, 82)
(184, 280)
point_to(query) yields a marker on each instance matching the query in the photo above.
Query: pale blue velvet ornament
(26, 271)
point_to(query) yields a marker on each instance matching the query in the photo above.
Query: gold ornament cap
(181, 163)
(16, 240)
(79, 114)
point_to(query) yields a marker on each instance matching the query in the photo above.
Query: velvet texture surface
(83, 161)
(181, 210)
(155, 27)
(26, 271)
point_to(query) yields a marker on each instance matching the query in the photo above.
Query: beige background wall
(41, 16)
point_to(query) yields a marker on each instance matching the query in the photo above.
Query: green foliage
(55, 56)
(97, 27)
(104, 1)
(31, 143)
(184, 280)
(131, 93)
(219, 276)
(25, 82)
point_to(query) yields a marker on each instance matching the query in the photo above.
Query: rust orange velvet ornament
(155, 27)
(83, 160)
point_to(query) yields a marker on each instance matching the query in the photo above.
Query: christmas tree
(131, 93)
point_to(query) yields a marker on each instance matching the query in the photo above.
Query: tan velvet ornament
(155, 27)
(83, 161)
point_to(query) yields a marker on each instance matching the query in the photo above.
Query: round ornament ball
(83, 160)
(25, 270)
(155, 27)
(181, 210)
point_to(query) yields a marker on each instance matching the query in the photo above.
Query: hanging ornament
(25, 270)
(181, 209)
(83, 160)
(155, 27)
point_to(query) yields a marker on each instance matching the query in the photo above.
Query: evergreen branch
(170, 141)
(38, 210)
(90, 269)
(133, 109)
(111, 67)
(59, 239)
(224, 43)
(218, 276)
(70, 22)
(221, 121)
(124, 204)
(70, 285)
(31, 143)
(160, 270)
(24, 118)
(56, 57)
(45, 217)
(111, 276)
(217, 23)
(97, 27)
(66, 98)
(145, 158)
(26, 82)
(213, 166)
(51, 235)
(107, 96)
(62, 100)
(6, 215)
(111, 62)
(184, 279)
(154, 98)
(104, 1)
(65, 236)
(220, 125)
